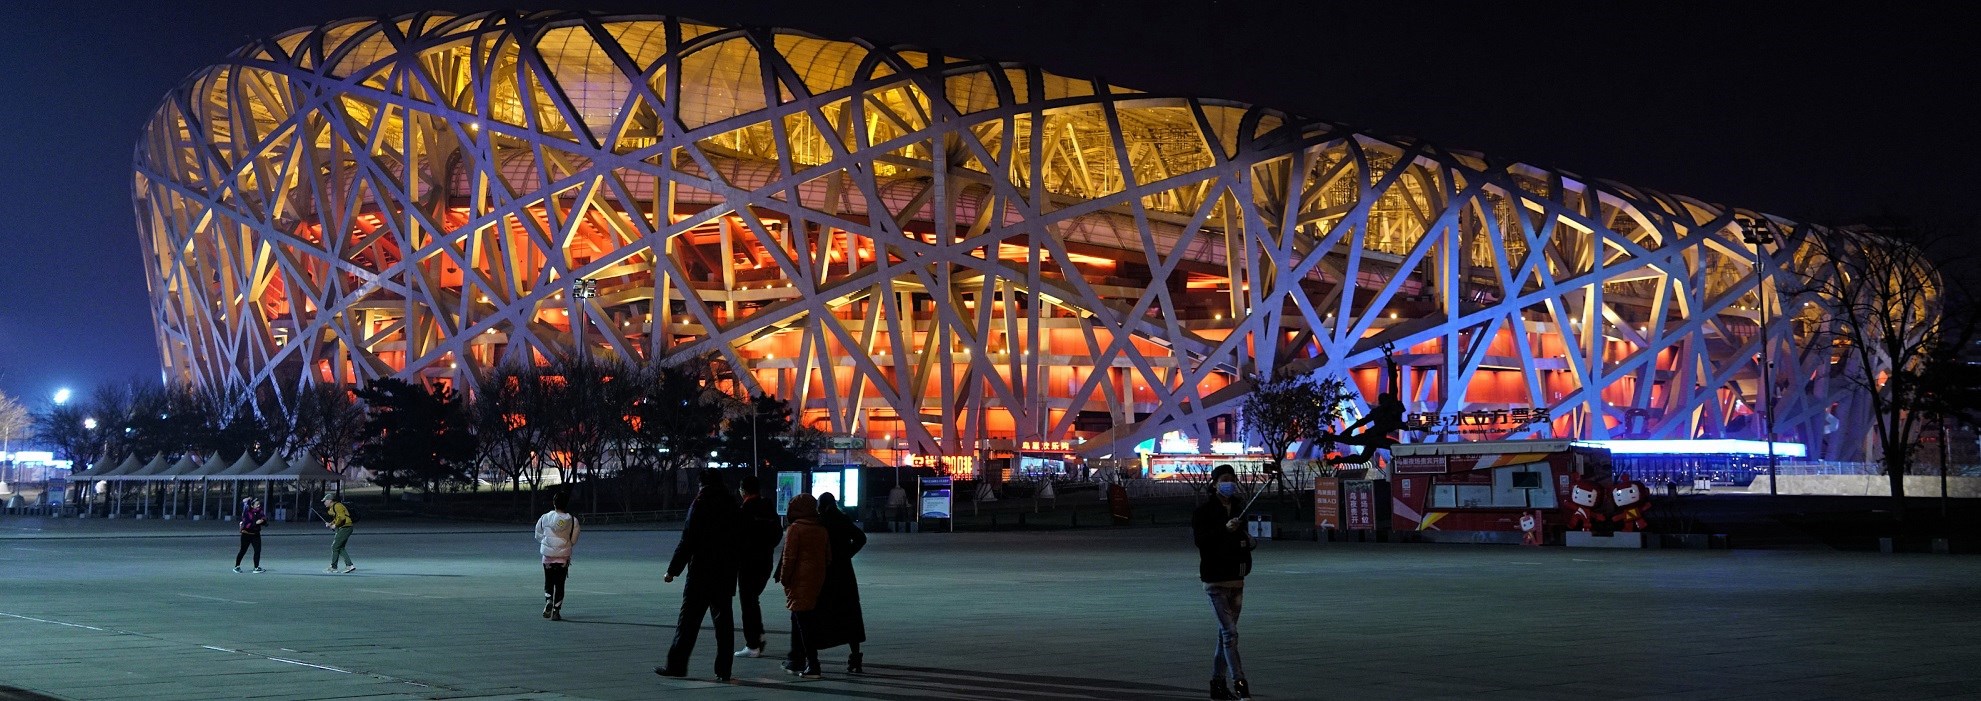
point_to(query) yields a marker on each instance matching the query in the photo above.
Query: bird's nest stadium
(929, 251)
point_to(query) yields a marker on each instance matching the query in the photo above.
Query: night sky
(1827, 116)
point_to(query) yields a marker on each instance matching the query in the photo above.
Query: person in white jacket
(557, 534)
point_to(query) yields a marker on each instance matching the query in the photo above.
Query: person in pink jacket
(557, 534)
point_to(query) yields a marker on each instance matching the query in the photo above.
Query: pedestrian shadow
(15, 693)
(597, 622)
(907, 683)
(602, 622)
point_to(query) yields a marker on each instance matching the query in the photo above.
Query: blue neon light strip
(1698, 446)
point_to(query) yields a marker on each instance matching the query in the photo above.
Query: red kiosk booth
(1477, 492)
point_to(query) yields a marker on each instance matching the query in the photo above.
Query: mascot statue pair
(1628, 502)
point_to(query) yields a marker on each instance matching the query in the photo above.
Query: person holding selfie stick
(1224, 553)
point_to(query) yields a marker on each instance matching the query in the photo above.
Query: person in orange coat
(801, 569)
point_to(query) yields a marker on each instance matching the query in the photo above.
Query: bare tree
(671, 426)
(328, 423)
(1288, 408)
(69, 430)
(1884, 291)
(15, 423)
(584, 402)
(510, 427)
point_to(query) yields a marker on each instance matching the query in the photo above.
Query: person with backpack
(252, 519)
(557, 534)
(1224, 558)
(340, 523)
(756, 545)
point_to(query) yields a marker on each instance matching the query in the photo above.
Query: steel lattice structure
(931, 249)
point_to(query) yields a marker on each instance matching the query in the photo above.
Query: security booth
(1478, 492)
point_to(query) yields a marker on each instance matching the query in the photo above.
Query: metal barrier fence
(1830, 467)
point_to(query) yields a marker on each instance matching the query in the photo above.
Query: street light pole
(1759, 233)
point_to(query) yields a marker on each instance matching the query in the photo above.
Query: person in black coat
(757, 539)
(708, 552)
(838, 614)
(1224, 558)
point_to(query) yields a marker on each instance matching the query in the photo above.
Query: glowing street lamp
(89, 423)
(62, 396)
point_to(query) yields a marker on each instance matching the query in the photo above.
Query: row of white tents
(185, 488)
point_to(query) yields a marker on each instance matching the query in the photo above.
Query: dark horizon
(1827, 117)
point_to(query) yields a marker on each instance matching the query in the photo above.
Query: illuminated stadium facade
(932, 252)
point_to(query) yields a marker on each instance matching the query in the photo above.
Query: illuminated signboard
(936, 501)
(1229, 448)
(1419, 464)
(1487, 421)
(850, 481)
(961, 466)
(789, 484)
(824, 483)
(1198, 467)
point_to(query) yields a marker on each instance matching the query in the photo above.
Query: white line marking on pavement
(59, 623)
(280, 659)
(283, 660)
(399, 593)
(214, 598)
(588, 591)
(33, 550)
(306, 664)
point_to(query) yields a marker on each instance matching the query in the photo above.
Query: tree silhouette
(418, 436)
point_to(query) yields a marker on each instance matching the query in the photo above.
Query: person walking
(897, 508)
(252, 519)
(756, 546)
(801, 569)
(840, 621)
(557, 534)
(1224, 557)
(707, 552)
(340, 522)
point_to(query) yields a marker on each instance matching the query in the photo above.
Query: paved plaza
(149, 610)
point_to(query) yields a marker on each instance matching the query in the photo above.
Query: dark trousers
(249, 540)
(554, 574)
(688, 627)
(803, 655)
(750, 587)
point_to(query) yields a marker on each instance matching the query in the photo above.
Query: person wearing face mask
(1224, 557)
